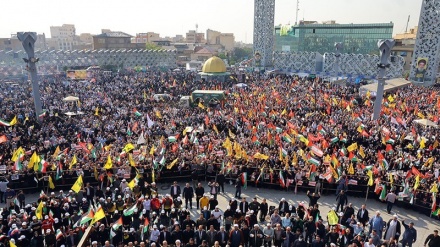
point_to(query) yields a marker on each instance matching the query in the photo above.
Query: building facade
(264, 13)
(404, 46)
(148, 37)
(314, 37)
(13, 44)
(193, 37)
(115, 40)
(64, 36)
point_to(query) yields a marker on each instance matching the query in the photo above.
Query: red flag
(206, 120)
(416, 172)
(389, 148)
(380, 156)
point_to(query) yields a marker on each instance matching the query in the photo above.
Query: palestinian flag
(343, 151)
(136, 113)
(383, 193)
(244, 179)
(390, 141)
(314, 161)
(117, 224)
(59, 234)
(87, 217)
(334, 140)
(4, 123)
(287, 138)
(385, 164)
(172, 139)
(343, 139)
(279, 130)
(323, 132)
(436, 212)
(59, 173)
(282, 183)
(130, 211)
(43, 114)
(283, 152)
(162, 161)
(146, 225)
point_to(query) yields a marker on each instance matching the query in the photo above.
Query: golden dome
(214, 65)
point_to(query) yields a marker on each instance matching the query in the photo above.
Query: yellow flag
(172, 164)
(133, 183)
(108, 164)
(153, 176)
(17, 153)
(200, 105)
(435, 145)
(51, 185)
(39, 211)
(35, 159)
(361, 152)
(96, 111)
(152, 150)
(215, 129)
(158, 115)
(128, 147)
(77, 186)
(130, 159)
(359, 129)
(368, 94)
(420, 115)
(422, 143)
(13, 121)
(11, 244)
(261, 156)
(417, 183)
(98, 215)
(370, 177)
(332, 218)
(390, 99)
(391, 176)
(351, 169)
(434, 188)
(348, 108)
(78, 103)
(283, 112)
(73, 162)
(352, 147)
(57, 151)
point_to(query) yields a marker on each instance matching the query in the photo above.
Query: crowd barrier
(355, 189)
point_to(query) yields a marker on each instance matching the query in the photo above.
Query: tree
(240, 54)
(152, 46)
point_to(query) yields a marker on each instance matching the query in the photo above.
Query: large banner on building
(420, 70)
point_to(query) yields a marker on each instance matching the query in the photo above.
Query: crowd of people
(284, 131)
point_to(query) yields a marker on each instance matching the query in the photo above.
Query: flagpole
(366, 195)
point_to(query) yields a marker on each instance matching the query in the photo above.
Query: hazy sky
(171, 17)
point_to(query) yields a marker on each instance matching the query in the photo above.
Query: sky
(171, 17)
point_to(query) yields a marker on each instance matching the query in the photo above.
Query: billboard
(79, 74)
(420, 69)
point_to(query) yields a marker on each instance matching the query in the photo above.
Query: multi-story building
(115, 40)
(13, 44)
(314, 37)
(404, 46)
(226, 40)
(193, 37)
(144, 38)
(64, 36)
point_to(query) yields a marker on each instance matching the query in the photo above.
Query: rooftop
(114, 35)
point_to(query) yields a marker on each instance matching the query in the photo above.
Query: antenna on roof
(297, 9)
(407, 22)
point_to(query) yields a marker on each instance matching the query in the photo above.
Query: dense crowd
(281, 130)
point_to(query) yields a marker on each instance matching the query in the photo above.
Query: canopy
(241, 85)
(390, 85)
(426, 122)
(70, 98)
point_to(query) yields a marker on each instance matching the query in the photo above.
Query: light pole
(28, 41)
(385, 47)
(338, 48)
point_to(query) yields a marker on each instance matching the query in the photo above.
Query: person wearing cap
(236, 237)
(256, 236)
(175, 190)
(357, 227)
(392, 229)
(154, 235)
(204, 202)
(283, 206)
(49, 237)
(410, 235)
(433, 240)
(167, 203)
(268, 233)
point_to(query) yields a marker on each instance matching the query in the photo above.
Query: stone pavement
(423, 224)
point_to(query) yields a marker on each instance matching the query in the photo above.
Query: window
(101, 41)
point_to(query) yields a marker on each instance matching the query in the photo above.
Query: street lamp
(385, 47)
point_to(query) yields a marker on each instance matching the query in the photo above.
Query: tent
(426, 122)
(390, 86)
(71, 99)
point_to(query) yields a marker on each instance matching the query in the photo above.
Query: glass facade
(356, 38)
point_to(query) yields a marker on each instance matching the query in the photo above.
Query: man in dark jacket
(221, 181)
(362, 215)
(238, 185)
(300, 242)
(188, 194)
(341, 200)
(222, 237)
(256, 237)
(433, 240)
(236, 237)
(410, 235)
(200, 191)
(175, 190)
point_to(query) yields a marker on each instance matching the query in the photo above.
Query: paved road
(422, 223)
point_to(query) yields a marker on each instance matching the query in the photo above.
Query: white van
(162, 97)
(184, 101)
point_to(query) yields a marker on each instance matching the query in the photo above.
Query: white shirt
(366, 244)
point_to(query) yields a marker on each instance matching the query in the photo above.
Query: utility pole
(297, 10)
(407, 22)
(385, 47)
(28, 41)
(338, 48)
